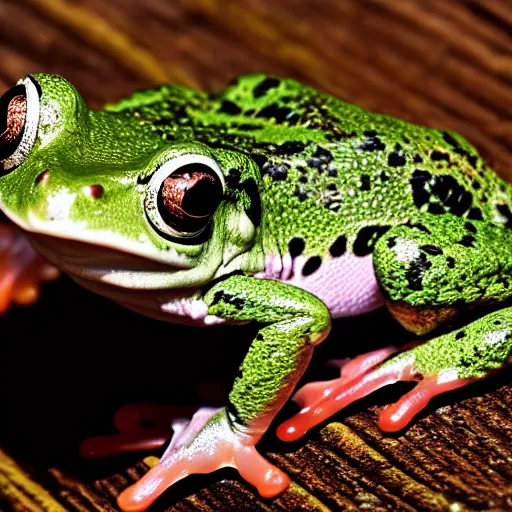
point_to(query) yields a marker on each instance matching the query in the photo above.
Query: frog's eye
(183, 195)
(19, 117)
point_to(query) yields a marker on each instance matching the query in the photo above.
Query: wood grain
(442, 63)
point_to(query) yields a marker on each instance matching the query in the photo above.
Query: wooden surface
(68, 364)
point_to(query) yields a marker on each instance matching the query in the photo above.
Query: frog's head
(111, 203)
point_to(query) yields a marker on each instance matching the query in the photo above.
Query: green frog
(269, 202)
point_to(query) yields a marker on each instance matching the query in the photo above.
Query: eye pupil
(13, 113)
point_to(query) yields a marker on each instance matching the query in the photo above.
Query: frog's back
(330, 167)
(335, 177)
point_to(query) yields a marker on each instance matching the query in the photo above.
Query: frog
(274, 203)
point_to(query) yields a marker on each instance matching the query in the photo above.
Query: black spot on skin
(392, 242)
(418, 181)
(233, 178)
(367, 238)
(365, 182)
(450, 140)
(259, 337)
(293, 119)
(419, 226)
(290, 148)
(280, 114)
(416, 272)
(300, 194)
(264, 86)
(432, 249)
(470, 227)
(228, 107)
(333, 173)
(437, 156)
(312, 162)
(459, 202)
(472, 159)
(460, 335)
(296, 246)
(476, 185)
(228, 298)
(248, 127)
(311, 266)
(396, 159)
(332, 187)
(339, 247)
(370, 133)
(497, 322)
(303, 179)
(455, 197)
(417, 159)
(372, 144)
(260, 159)
(384, 176)
(323, 154)
(505, 211)
(450, 262)
(444, 186)
(276, 172)
(435, 208)
(467, 241)
(475, 214)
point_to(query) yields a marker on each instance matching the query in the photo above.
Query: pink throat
(347, 285)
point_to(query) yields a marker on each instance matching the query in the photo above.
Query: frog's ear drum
(183, 195)
(19, 117)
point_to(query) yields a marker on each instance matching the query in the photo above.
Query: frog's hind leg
(353, 369)
(439, 365)
(21, 268)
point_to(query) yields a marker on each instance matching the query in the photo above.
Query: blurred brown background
(68, 362)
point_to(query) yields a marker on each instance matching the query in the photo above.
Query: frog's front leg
(295, 322)
(429, 270)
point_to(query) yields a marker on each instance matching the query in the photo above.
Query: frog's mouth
(93, 267)
(94, 262)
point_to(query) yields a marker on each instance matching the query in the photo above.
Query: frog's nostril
(94, 191)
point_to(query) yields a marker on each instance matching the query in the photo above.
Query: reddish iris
(189, 197)
(13, 112)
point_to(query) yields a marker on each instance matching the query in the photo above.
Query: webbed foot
(439, 365)
(350, 370)
(203, 445)
(21, 269)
